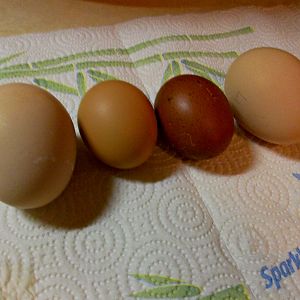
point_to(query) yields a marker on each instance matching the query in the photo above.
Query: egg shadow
(237, 159)
(160, 165)
(291, 152)
(85, 199)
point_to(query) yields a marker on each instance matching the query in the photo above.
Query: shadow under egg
(85, 198)
(288, 151)
(237, 158)
(159, 166)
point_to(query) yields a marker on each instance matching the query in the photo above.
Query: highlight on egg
(117, 123)
(194, 117)
(263, 88)
(37, 146)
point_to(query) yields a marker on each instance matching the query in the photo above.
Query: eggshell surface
(194, 117)
(263, 88)
(118, 124)
(37, 146)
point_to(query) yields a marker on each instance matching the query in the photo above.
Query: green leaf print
(55, 86)
(200, 67)
(8, 58)
(81, 83)
(238, 292)
(98, 76)
(25, 66)
(169, 291)
(204, 71)
(156, 279)
(173, 69)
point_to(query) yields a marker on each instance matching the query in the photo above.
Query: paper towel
(169, 228)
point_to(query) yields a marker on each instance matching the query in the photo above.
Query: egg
(194, 116)
(118, 124)
(263, 88)
(37, 146)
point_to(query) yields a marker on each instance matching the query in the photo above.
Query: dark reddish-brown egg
(194, 116)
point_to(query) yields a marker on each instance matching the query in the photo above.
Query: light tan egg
(263, 88)
(37, 146)
(118, 124)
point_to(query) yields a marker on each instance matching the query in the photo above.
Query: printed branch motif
(169, 288)
(90, 64)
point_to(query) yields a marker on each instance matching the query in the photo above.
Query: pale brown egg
(118, 124)
(263, 88)
(37, 146)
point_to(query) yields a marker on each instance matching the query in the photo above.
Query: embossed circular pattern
(250, 242)
(181, 214)
(21, 225)
(81, 36)
(15, 269)
(221, 281)
(18, 44)
(264, 193)
(132, 196)
(107, 289)
(165, 258)
(59, 286)
(96, 249)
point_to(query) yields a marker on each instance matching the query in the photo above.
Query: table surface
(26, 16)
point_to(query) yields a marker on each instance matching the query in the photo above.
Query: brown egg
(37, 146)
(118, 124)
(194, 116)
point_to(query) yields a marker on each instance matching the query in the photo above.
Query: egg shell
(37, 146)
(194, 117)
(263, 88)
(118, 124)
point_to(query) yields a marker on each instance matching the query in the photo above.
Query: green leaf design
(169, 291)
(204, 71)
(201, 73)
(238, 292)
(222, 35)
(25, 66)
(81, 60)
(32, 72)
(168, 73)
(98, 76)
(8, 58)
(148, 60)
(55, 86)
(190, 54)
(176, 68)
(156, 279)
(140, 46)
(81, 83)
(197, 66)
(173, 69)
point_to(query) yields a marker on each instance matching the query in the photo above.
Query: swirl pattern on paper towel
(164, 217)
(163, 257)
(250, 241)
(97, 249)
(180, 213)
(265, 193)
(60, 286)
(15, 270)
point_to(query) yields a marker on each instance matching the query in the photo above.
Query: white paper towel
(168, 227)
